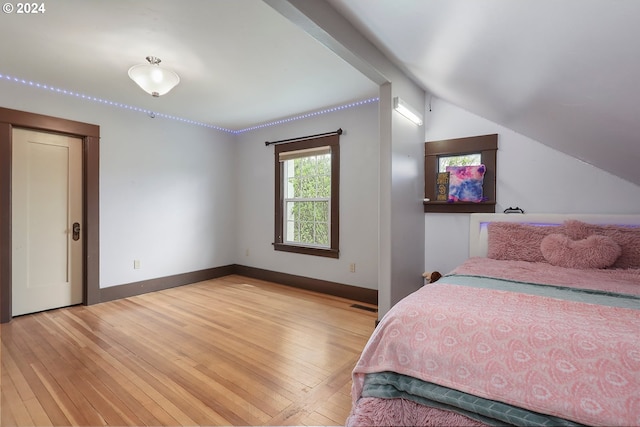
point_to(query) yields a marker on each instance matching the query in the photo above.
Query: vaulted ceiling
(562, 72)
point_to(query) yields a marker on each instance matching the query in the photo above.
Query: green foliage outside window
(308, 195)
(464, 160)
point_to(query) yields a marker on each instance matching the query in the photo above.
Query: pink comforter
(569, 359)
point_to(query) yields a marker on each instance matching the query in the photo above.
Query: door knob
(76, 231)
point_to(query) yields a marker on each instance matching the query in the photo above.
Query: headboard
(478, 224)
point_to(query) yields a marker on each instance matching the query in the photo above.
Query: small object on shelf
(431, 276)
(514, 210)
(442, 186)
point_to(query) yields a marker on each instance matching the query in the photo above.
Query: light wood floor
(229, 351)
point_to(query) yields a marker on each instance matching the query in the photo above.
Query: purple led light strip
(180, 119)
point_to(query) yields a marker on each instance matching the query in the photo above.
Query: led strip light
(181, 119)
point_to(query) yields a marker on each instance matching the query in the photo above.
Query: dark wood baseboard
(137, 288)
(369, 296)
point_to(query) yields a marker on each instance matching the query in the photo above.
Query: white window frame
(302, 148)
(287, 170)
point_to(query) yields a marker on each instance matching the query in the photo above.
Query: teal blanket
(389, 385)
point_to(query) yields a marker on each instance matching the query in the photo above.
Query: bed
(539, 327)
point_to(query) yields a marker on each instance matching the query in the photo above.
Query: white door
(46, 203)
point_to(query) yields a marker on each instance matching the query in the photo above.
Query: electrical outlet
(352, 267)
(246, 253)
(136, 264)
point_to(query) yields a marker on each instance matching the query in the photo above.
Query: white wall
(254, 166)
(165, 187)
(407, 194)
(530, 175)
(166, 197)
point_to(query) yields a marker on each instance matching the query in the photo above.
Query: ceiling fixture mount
(152, 79)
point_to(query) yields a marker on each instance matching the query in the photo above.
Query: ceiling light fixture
(406, 110)
(152, 79)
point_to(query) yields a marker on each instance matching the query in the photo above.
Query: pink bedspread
(569, 359)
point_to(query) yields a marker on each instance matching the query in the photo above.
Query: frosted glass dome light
(152, 79)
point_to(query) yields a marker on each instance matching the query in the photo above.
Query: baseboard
(137, 288)
(369, 296)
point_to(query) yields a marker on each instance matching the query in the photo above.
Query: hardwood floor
(229, 351)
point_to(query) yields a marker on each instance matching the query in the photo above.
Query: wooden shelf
(460, 207)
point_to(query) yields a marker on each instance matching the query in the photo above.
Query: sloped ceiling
(563, 72)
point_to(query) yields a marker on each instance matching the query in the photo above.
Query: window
(466, 160)
(307, 196)
(460, 152)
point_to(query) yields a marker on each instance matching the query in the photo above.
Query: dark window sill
(307, 250)
(460, 207)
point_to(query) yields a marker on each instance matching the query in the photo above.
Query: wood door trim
(90, 135)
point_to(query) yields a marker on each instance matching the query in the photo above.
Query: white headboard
(478, 224)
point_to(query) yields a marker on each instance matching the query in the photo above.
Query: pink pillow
(518, 242)
(465, 183)
(628, 238)
(593, 252)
